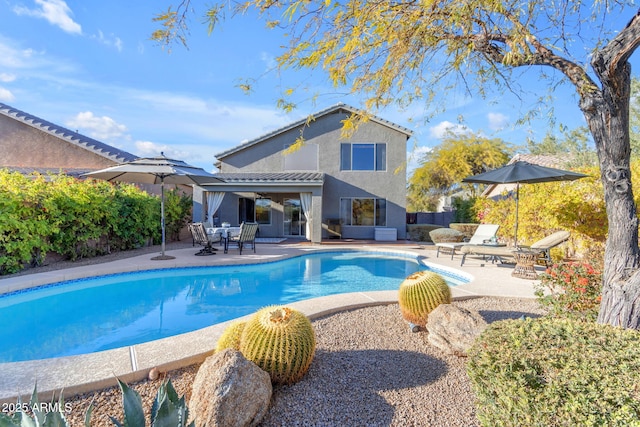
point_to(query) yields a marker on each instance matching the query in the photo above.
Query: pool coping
(94, 371)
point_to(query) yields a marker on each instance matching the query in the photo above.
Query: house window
(357, 211)
(263, 211)
(363, 157)
(303, 159)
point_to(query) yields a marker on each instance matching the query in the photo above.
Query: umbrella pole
(515, 232)
(162, 255)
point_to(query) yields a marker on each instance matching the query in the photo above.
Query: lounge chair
(247, 235)
(544, 246)
(483, 233)
(200, 236)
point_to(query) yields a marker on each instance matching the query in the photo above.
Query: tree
(407, 51)
(457, 156)
(572, 145)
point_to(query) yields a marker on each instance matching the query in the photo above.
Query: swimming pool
(101, 313)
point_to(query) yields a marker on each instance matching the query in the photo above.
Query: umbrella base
(162, 257)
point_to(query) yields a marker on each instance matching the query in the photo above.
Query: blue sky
(90, 66)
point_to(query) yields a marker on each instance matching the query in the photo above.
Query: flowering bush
(571, 289)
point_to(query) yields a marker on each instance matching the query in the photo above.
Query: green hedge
(75, 218)
(556, 372)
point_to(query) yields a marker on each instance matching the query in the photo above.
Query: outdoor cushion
(483, 233)
(544, 245)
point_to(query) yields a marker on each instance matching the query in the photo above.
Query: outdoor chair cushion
(544, 245)
(483, 233)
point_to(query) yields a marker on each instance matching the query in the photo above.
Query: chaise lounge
(484, 233)
(542, 246)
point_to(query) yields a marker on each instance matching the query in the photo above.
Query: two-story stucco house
(330, 187)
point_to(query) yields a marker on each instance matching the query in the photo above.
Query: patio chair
(247, 235)
(199, 234)
(543, 246)
(484, 233)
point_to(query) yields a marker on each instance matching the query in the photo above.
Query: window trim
(379, 156)
(379, 211)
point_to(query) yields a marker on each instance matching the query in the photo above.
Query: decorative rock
(154, 373)
(454, 329)
(229, 391)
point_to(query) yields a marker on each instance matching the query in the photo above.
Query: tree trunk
(607, 114)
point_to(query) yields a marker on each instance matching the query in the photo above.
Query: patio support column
(198, 204)
(316, 217)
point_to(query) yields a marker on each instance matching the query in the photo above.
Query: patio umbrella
(156, 170)
(522, 173)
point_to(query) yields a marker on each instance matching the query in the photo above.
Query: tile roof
(100, 148)
(333, 109)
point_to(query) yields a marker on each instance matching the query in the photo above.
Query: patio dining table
(224, 232)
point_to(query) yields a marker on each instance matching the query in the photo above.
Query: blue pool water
(101, 313)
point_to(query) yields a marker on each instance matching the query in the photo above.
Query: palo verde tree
(457, 156)
(404, 51)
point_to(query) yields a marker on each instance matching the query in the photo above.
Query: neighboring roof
(99, 148)
(547, 160)
(330, 110)
(74, 172)
(268, 178)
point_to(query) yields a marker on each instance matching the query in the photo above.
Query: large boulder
(229, 391)
(454, 329)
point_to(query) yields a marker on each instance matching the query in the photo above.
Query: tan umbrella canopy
(155, 170)
(522, 173)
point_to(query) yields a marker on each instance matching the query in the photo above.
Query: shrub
(420, 232)
(442, 235)
(420, 293)
(464, 209)
(556, 372)
(571, 289)
(70, 217)
(177, 211)
(465, 228)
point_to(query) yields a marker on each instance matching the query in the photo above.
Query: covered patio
(287, 204)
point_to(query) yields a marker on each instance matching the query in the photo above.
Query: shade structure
(155, 170)
(522, 173)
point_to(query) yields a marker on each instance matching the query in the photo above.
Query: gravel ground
(369, 370)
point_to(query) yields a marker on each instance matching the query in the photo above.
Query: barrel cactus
(281, 341)
(420, 294)
(231, 336)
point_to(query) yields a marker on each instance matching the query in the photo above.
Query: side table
(525, 264)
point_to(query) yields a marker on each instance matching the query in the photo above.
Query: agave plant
(168, 408)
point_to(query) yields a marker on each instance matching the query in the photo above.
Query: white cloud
(55, 11)
(111, 41)
(269, 60)
(101, 128)
(497, 121)
(6, 95)
(442, 128)
(152, 149)
(7, 78)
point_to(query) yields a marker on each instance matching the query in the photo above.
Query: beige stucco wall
(24, 146)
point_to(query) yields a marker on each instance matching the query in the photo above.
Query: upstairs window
(363, 157)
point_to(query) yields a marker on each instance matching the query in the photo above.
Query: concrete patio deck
(77, 374)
